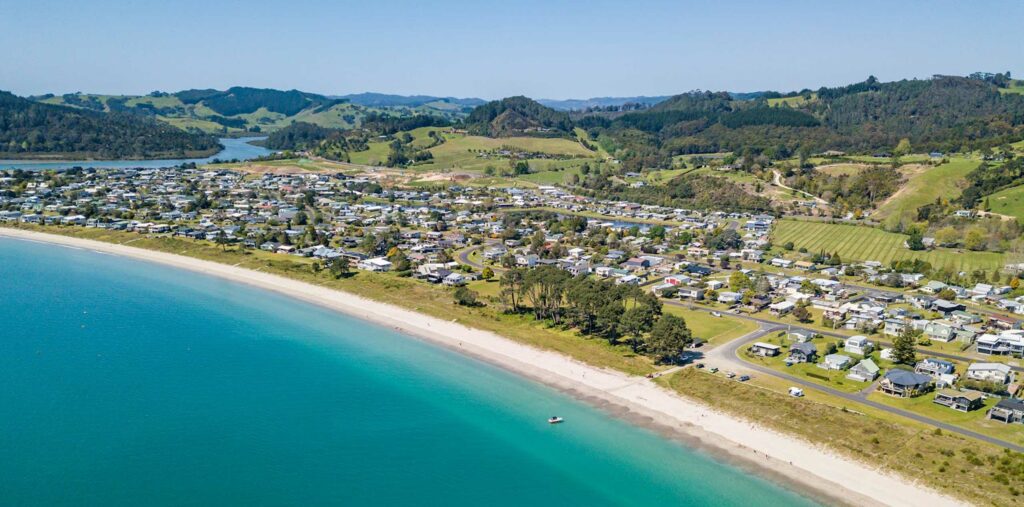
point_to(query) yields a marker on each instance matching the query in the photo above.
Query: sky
(538, 48)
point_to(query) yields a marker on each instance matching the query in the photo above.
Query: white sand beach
(836, 478)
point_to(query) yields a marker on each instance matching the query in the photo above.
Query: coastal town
(867, 333)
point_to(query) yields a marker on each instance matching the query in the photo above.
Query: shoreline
(800, 465)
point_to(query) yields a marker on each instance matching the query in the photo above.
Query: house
(946, 307)
(835, 362)
(801, 336)
(802, 353)
(859, 345)
(765, 349)
(939, 331)
(964, 401)
(989, 372)
(454, 280)
(729, 298)
(374, 264)
(781, 308)
(1001, 345)
(904, 384)
(864, 371)
(1007, 410)
(934, 367)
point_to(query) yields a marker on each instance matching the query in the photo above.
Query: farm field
(925, 186)
(858, 243)
(458, 153)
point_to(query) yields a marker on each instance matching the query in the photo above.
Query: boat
(555, 420)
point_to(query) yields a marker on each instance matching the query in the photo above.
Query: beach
(792, 461)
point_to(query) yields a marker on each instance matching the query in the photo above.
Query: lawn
(861, 243)
(923, 187)
(974, 420)
(716, 330)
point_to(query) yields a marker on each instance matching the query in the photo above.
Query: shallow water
(128, 383)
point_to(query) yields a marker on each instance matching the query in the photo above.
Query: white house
(989, 372)
(859, 345)
(374, 264)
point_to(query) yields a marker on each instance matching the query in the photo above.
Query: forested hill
(517, 116)
(31, 130)
(945, 113)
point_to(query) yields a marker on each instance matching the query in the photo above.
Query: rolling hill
(30, 129)
(242, 109)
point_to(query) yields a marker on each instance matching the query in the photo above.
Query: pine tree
(903, 347)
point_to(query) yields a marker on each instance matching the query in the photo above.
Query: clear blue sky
(539, 48)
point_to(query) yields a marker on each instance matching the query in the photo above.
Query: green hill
(243, 109)
(32, 130)
(517, 116)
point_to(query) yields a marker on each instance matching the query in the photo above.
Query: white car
(796, 392)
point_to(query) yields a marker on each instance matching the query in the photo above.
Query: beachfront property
(864, 371)
(904, 384)
(963, 401)
(1007, 410)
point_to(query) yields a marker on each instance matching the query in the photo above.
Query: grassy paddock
(945, 181)
(860, 243)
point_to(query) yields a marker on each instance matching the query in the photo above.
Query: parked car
(744, 378)
(796, 392)
(699, 365)
(713, 370)
(730, 374)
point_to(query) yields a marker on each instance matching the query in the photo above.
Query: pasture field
(1016, 87)
(792, 101)
(1009, 201)
(924, 186)
(841, 169)
(859, 243)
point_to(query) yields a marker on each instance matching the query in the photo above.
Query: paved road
(729, 354)
(463, 256)
(779, 326)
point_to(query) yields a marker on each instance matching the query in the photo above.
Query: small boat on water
(555, 420)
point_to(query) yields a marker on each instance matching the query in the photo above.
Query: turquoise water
(126, 383)
(234, 148)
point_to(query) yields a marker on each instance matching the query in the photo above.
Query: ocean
(129, 383)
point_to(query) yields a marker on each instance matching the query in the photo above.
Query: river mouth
(235, 148)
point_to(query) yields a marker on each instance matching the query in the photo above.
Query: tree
(947, 294)
(637, 321)
(465, 297)
(340, 268)
(903, 148)
(975, 239)
(947, 236)
(903, 347)
(669, 338)
(738, 281)
(801, 314)
(915, 242)
(512, 283)
(487, 274)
